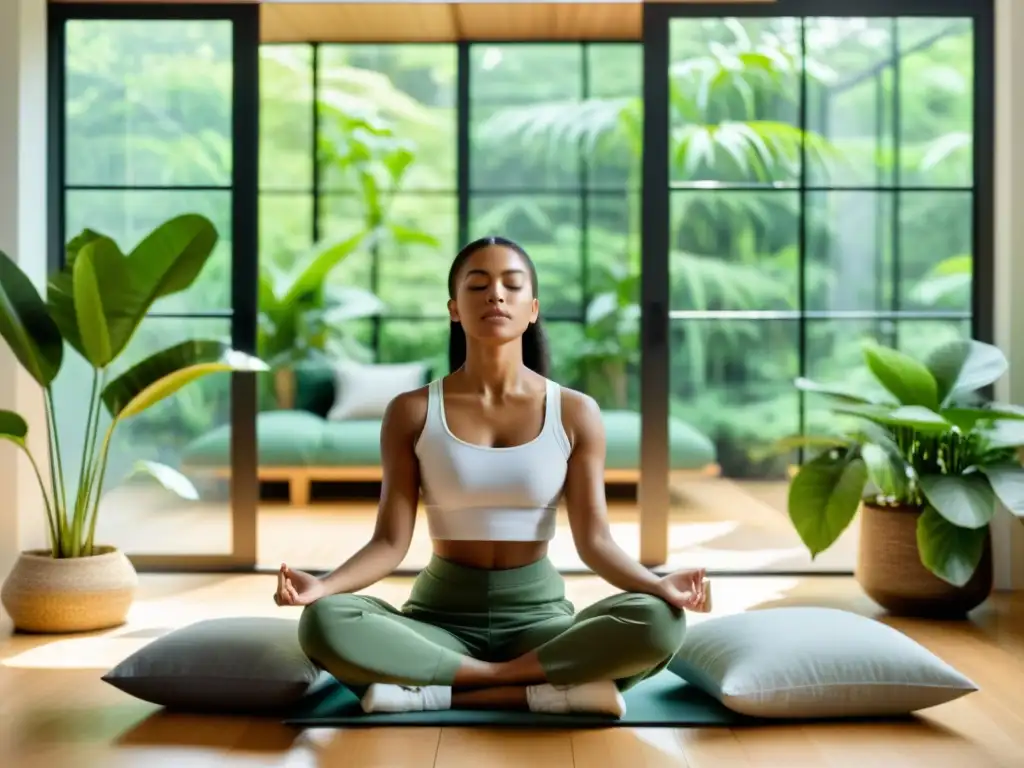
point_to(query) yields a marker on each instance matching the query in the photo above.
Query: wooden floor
(720, 523)
(56, 713)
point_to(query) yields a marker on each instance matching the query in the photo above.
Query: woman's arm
(585, 497)
(396, 516)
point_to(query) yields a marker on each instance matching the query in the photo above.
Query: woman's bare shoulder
(407, 413)
(581, 414)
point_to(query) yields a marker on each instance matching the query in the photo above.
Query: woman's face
(493, 295)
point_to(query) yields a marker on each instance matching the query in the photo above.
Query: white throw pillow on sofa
(806, 662)
(364, 391)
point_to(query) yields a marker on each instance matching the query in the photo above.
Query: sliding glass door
(153, 115)
(810, 182)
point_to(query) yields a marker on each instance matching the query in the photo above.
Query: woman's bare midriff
(491, 555)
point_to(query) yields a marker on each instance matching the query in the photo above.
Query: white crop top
(479, 493)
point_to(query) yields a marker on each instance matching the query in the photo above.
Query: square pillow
(804, 662)
(244, 664)
(364, 391)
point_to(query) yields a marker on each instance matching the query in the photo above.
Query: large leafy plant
(927, 441)
(95, 304)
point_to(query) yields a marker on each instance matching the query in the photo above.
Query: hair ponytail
(536, 354)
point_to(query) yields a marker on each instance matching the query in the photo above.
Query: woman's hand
(297, 587)
(685, 589)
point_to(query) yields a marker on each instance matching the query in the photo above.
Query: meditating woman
(493, 446)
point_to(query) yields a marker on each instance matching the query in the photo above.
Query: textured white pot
(62, 595)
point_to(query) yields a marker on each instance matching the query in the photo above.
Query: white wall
(23, 237)
(1009, 244)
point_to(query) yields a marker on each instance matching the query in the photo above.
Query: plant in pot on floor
(928, 462)
(95, 304)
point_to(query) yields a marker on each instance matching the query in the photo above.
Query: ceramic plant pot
(64, 595)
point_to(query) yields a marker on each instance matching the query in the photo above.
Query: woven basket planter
(64, 595)
(890, 571)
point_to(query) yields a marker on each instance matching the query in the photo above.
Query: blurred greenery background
(875, 187)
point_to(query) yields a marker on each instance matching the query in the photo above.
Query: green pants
(455, 611)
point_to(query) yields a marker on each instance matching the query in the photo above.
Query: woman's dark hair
(535, 341)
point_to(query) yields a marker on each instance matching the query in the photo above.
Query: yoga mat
(664, 700)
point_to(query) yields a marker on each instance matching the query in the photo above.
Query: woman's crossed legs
(545, 665)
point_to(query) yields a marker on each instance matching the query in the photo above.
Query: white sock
(384, 697)
(600, 697)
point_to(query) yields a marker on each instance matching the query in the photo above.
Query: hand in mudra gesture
(297, 587)
(687, 589)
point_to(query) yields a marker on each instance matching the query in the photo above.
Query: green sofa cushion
(351, 443)
(299, 439)
(688, 448)
(283, 438)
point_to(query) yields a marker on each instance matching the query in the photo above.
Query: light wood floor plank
(476, 747)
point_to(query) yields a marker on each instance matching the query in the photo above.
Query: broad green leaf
(887, 471)
(26, 326)
(350, 303)
(165, 372)
(950, 552)
(1008, 484)
(13, 428)
(912, 416)
(963, 366)
(964, 500)
(109, 266)
(170, 258)
(75, 245)
(909, 381)
(89, 311)
(168, 477)
(832, 390)
(309, 275)
(1007, 433)
(823, 498)
(967, 418)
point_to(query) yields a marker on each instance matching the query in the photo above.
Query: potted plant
(927, 460)
(95, 304)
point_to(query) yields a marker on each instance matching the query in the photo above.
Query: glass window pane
(611, 125)
(408, 341)
(286, 227)
(377, 102)
(936, 102)
(936, 253)
(732, 381)
(734, 111)
(137, 514)
(508, 73)
(344, 216)
(286, 116)
(128, 216)
(615, 70)
(850, 101)
(136, 112)
(920, 337)
(413, 276)
(734, 250)
(548, 227)
(849, 251)
(527, 132)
